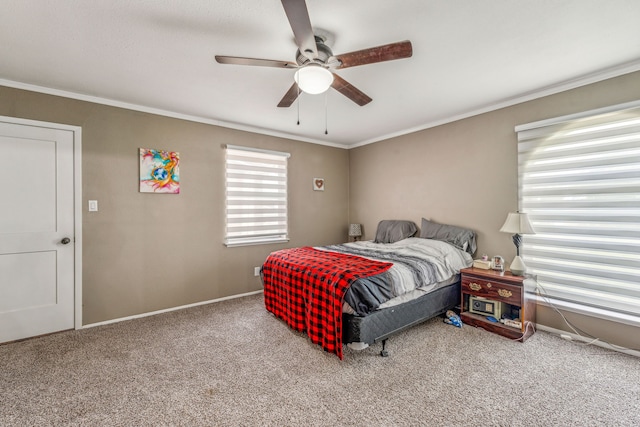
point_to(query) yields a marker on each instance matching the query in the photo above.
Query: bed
(360, 293)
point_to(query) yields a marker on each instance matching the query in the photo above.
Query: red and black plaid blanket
(305, 288)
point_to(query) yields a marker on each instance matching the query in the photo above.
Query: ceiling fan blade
(388, 52)
(298, 16)
(350, 91)
(290, 96)
(236, 60)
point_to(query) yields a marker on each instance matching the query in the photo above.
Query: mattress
(406, 297)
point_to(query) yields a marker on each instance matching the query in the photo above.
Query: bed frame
(379, 325)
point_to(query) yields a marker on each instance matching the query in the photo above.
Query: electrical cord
(576, 330)
(526, 328)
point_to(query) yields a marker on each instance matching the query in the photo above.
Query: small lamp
(313, 78)
(355, 231)
(517, 223)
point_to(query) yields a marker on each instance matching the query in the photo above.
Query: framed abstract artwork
(159, 171)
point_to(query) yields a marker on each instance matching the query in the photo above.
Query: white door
(36, 219)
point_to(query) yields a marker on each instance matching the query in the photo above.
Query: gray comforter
(417, 264)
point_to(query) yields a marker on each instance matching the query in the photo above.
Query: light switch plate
(93, 206)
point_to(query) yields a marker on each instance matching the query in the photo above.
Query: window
(256, 196)
(579, 181)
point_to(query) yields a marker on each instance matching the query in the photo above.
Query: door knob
(65, 241)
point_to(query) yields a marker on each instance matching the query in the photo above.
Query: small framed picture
(318, 184)
(497, 263)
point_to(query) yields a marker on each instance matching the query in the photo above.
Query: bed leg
(384, 353)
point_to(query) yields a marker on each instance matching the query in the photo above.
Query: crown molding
(587, 79)
(161, 112)
(584, 80)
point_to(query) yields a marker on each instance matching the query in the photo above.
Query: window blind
(579, 181)
(256, 196)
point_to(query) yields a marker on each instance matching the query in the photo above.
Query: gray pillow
(392, 230)
(461, 238)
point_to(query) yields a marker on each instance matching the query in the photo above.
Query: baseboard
(575, 337)
(167, 310)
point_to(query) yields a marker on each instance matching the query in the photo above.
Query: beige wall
(465, 173)
(146, 252)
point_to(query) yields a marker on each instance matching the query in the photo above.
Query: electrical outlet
(256, 271)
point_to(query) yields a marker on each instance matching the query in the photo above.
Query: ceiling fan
(315, 60)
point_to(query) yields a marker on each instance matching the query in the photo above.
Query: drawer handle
(474, 286)
(504, 293)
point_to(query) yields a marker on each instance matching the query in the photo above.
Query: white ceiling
(469, 56)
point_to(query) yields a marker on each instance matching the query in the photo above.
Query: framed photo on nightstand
(497, 263)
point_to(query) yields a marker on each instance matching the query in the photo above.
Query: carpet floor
(233, 364)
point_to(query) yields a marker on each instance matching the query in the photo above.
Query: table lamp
(517, 223)
(355, 231)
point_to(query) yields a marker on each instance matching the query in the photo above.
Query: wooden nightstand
(495, 290)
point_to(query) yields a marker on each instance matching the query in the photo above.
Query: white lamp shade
(313, 79)
(355, 230)
(517, 223)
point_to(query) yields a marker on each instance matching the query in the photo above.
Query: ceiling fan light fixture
(313, 79)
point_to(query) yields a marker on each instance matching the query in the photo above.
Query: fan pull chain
(298, 106)
(326, 114)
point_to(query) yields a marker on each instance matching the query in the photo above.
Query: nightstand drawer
(492, 289)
